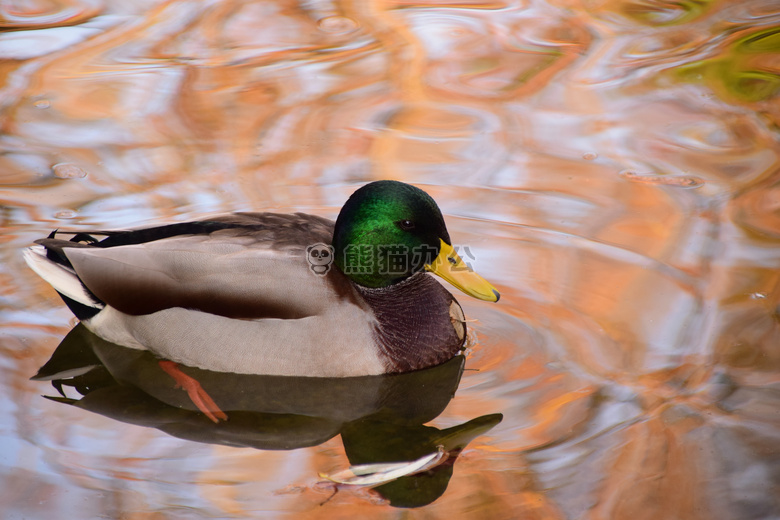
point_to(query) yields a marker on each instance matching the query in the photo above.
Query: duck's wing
(247, 265)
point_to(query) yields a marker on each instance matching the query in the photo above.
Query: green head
(386, 232)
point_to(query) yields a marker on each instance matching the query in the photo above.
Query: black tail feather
(81, 311)
(84, 237)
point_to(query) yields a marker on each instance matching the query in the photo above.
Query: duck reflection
(380, 418)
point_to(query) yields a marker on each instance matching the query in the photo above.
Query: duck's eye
(406, 225)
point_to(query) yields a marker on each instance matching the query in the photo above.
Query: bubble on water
(590, 156)
(68, 171)
(65, 214)
(337, 24)
(42, 103)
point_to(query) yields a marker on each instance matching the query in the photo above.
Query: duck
(276, 294)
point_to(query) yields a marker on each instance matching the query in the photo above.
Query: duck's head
(388, 230)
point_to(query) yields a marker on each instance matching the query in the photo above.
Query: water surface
(612, 167)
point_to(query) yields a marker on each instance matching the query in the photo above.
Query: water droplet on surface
(337, 24)
(68, 171)
(758, 296)
(65, 214)
(589, 156)
(42, 103)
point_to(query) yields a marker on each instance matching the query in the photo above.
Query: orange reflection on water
(612, 165)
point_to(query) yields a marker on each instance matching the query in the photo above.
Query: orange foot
(197, 394)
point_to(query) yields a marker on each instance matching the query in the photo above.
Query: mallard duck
(277, 294)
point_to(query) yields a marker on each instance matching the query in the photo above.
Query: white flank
(62, 278)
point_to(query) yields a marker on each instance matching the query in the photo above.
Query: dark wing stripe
(141, 236)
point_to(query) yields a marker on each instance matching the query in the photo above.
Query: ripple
(23, 45)
(732, 135)
(23, 168)
(657, 13)
(437, 122)
(437, 138)
(500, 55)
(743, 69)
(759, 211)
(37, 14)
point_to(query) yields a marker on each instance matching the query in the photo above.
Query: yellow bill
(452, 268)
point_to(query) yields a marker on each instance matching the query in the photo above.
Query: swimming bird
(277, 294)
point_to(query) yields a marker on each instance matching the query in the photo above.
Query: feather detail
(61, 277)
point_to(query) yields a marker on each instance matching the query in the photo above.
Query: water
(613, 168)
